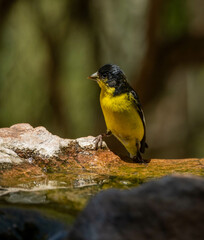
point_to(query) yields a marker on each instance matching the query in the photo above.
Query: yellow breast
(121, 116)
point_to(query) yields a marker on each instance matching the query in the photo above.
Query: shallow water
(63, 192)
(58, 196)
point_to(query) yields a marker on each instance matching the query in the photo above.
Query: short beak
(94, 76)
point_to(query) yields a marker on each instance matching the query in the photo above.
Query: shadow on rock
(118, 149)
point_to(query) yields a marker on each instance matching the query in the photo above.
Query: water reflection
(26, 197)
(85, 181)
(33, 186)
(65, 194)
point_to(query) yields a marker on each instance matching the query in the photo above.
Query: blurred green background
(49, 47)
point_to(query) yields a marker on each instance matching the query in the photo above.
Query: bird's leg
(138, 157)
(99, 139)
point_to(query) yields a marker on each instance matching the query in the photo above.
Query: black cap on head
(111, 72)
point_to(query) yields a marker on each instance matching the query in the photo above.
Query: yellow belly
(123, 120)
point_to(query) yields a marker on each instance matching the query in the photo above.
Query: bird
(122, 110)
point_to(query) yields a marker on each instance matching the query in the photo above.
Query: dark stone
(21, 224)
(169, 208)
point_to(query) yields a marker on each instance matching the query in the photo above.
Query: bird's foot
(98, 142)
(99, 139)
(137, 159)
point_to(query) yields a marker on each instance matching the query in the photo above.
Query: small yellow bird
(122, 110)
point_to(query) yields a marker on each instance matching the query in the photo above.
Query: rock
(28, 154)
(32, 159)
(37, 167)
(170, 208)
(9, 156)
(23, 145)
(23, 137)
(16, 223)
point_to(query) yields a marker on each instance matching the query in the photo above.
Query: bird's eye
(104, 76)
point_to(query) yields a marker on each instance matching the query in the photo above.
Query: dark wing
(139, 110)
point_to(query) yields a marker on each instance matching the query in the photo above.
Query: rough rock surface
(23, 137)
(28, 155)
(170, 208)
